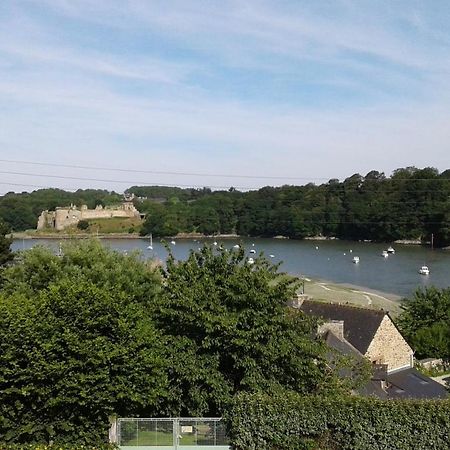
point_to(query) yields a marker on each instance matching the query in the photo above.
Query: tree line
(411, 204)
(20, 211)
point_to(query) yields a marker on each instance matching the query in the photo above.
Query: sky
(113, 93)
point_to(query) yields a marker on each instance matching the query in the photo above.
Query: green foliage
(230, 331)
(77, 344)
(291, 421)
(412, 204)
(21, 211)
(83, 225)
(5, 244)
(57, 447)
(425, 322)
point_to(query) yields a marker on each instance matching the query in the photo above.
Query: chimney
(297, 301)
(335, 326)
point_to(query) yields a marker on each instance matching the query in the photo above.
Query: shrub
(260, 422)
(83, 225)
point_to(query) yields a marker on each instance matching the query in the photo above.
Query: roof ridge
(348, 305)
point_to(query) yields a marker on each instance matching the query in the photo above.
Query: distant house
(369, 333)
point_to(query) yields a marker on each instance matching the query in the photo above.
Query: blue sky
(299, 90)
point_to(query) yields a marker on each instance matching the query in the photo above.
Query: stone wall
(389, 347)
(66, 217)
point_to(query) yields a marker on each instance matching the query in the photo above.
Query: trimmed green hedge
(56, 447)
(260, 422)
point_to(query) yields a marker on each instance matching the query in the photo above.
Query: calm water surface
(332, 260)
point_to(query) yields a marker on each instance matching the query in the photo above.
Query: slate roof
(360, 324)
(410, 383)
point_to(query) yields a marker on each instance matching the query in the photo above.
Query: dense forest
(411, 204)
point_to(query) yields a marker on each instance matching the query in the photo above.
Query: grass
(354, 295)
(160, 437)
(115, 225)
(339, 293)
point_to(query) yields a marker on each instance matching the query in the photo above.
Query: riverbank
(80, 235)
(33, 234)
(343, 293)
(63, 236)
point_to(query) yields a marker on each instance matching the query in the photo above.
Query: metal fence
(173, 433)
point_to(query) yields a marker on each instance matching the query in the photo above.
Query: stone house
(371, 334)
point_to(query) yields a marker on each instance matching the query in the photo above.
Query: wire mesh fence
(174, 433)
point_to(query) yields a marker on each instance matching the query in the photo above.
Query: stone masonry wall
(389, 347)
(63, 218)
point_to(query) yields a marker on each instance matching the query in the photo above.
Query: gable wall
(389, 347)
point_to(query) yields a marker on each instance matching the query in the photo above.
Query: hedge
(56, 447)
(260, 422)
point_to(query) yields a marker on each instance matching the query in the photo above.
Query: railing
(174, 433)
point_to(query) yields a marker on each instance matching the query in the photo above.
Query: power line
(65, 177)
(147, 183)
(200, 174)
(160, 172)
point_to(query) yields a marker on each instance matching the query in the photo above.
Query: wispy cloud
(323, 88)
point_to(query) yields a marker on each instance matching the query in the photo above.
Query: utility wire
(147, 183)
(199, 174)
(160, 172)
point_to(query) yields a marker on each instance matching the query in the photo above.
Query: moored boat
(391, 250)
(424, 270)
(355, 259)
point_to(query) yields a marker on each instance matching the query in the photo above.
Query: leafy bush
(261, 422)
(425, 322)
(56, 447)
(5, 244)
(76, 345)
(83, 225)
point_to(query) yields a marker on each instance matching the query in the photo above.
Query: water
(397, 274)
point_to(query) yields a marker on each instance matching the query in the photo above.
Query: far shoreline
(32, 234)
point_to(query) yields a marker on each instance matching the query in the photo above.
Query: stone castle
(64, 217)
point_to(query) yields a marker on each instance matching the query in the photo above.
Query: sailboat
(150, 247)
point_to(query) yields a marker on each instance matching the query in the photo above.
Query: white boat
(355, 259)
(252, 251)
(391, 250)
(150, 247)
(384, 254)
(272, 256)
(424, 270)
(250, 261)
(214, 243)
(236, 246)
(173, 242)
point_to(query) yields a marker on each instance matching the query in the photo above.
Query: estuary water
(327, 260)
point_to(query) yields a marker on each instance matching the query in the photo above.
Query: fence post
(113, 437)
(176, 429)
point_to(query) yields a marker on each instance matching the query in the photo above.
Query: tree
(77, 343)
(83, 225)
(5, 244)
(425, 322)
(230, 331)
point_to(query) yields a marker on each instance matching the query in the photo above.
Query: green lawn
(165, 437)
(114, 225)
